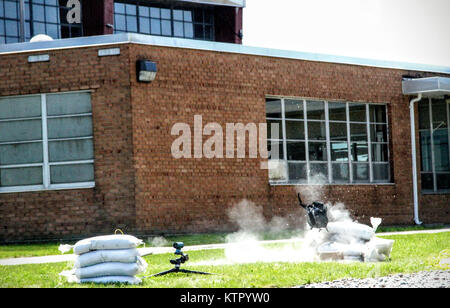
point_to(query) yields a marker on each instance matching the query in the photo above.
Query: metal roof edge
(123, 38)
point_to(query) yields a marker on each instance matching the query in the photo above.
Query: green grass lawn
(411, 253)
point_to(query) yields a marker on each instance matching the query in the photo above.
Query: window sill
(428, 193)
(38, 188)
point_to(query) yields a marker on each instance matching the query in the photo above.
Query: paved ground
(430, 279)
(162, 250)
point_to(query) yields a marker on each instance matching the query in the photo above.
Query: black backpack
(316, 214)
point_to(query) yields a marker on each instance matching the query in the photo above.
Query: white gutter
(414, 158)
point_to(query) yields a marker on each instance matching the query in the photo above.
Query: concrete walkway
(163, 250)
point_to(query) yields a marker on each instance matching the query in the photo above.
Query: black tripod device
(177, 262)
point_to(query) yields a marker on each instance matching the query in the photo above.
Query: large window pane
(297, 172)
(317, 131)
(20, 107)
(380, 152)
(381, 172)
(360, 152)
(296, 150)
(20, 176)
(69, 127)
(70, 150)
(443, 181)
(73, 103)
(441, 155)
(377, 113)
(317, 151)
(72, 173)
(278, 152)
(341, 173)
(358, 112)
(274, 127)
(315, 110)
(358, 132)
(339, 151)
(21, 153)
(425, 151)
(378, 133)
(295, 130)
(273, 108)
(293, 109)
(439, 108)
(424, 114)
(318, 170)
(361, 172)
(337, 111)
(15, 131)
(427, 182)
(338, 131)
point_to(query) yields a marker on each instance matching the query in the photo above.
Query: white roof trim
(428, 87)
(125, 38)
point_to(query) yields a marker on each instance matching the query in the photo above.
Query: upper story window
(170, 20)
(40, 17)
(342, 142)
(46, 142)
(434, 130)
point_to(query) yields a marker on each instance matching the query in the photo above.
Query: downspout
(414, 159)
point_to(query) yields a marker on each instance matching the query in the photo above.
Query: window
(342, 142)
(434, 119)
(46, 142)
(156, 19)
(41, 17)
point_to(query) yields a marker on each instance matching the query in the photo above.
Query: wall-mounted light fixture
(146, 70)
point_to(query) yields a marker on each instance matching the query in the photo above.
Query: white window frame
(329, 162)
(45, 163)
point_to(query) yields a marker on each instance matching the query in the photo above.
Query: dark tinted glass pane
(297, 172)
(296, 150)
(378, 133)
(293, 109)
(208, 16)
(337, 111)
(316, 130)
(441, 155)
(198, 32)
(75, 32)
(278, 146)
(358, 132)
(439, 110)
(424, 114)
(338, 131)
(295, 130)
(358, 112)
(339, 151)
(273, 108)
(360, 152)
(443, 181)
(379, 152)
(198, 16)
(425, 151)
(316, 110)
(317, 151)
(377, 113)
(361, 172)
(340, 173)
(427, 181)
(209, 35)
(381, 172)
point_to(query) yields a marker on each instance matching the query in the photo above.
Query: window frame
(45, 164)
(329, 162)
(430, 130)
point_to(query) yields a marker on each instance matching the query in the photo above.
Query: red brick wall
(192, 195)
(142, 189)
(74, 213)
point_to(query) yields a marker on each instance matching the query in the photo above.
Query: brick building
(86, 145)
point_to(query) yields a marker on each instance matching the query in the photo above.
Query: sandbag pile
(106, 259)
(352, 241)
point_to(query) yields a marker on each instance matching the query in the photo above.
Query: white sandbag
(356, 230)
(102, 256)
(378, 249)
(111, 269)
(103, 242)
(355, 250)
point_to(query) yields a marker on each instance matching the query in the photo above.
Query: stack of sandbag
(106, 259)
(352, 241)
